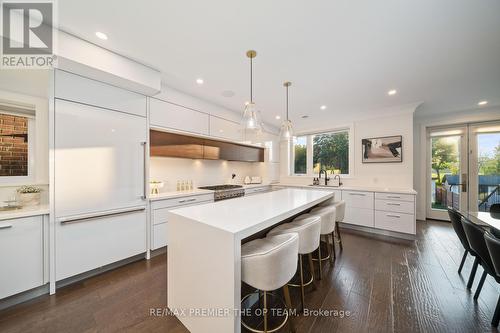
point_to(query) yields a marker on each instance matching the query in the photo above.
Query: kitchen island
(204, 253)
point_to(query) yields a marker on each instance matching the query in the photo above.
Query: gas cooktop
(225, 191)
(220, 187)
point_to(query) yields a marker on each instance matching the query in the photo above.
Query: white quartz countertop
(246, 216)
(24, 212)
(355, 188)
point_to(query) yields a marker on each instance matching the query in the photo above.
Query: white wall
(202, 172)
(395, 175)
(421, 123)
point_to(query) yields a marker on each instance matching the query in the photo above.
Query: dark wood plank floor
(387, 285)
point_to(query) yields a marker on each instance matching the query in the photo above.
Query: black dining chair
(475, 236)
(493, 245)
(456, 222)
(495, 208)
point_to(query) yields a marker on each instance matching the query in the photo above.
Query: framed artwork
(387, 149)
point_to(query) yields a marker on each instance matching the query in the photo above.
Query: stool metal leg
(302, 293)
(333, 246)
(311, 268)
(328, 248)
(265, 311)
(288, 302)
(496, 316)
(319, 261)
(338, 235)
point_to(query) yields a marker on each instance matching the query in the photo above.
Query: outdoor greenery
(490, 165)
(300, 158)
(444, 157)
(331, 152)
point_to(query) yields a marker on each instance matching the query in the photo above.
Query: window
(300, 155)
(330, 151)
(13, 145)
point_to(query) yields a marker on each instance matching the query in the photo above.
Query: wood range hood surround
(165, 144)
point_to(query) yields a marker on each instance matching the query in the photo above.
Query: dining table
(490, 220)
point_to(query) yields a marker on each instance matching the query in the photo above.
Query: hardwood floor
(387, 285)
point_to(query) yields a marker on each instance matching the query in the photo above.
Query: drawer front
(394, 196)
(395, 222)
(79, 89)
(159, 236)
(21, 255)
(358, 199)
(359, 216)
(395, 206)
(184, 201)
(88, 244)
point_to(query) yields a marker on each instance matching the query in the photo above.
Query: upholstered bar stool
(339, 217)
(308, 227)
(327, 215)
(268, 264)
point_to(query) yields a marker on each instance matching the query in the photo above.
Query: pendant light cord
(251, 80)
(287, 102)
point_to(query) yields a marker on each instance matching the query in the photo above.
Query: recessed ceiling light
(482, 103)
(305, 116)
(199, 81)
(323, 107)
(392, 92)
(278, 117)
(101, 35)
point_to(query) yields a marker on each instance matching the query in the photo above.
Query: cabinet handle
(5, 226)
(145, 189)
(393, 204)
(393, 215)
(394, 196)
(79, 218)
(187, 200)
(358, 194)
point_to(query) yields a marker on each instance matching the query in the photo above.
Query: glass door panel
(446, 171)
(484, 166)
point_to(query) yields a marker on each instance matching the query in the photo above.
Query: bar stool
(339, 217)
(268, 264)
(475, 236)
(493, 245)
(308, 227)
(327, 215)
(456, 222)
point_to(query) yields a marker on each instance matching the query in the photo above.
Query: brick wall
(13, 145)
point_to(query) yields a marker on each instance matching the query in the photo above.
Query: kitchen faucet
(326, 176)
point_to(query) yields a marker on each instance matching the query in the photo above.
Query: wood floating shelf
(184, 146)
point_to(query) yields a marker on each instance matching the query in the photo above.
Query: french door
(463, 168)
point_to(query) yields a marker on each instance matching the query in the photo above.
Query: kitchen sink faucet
(326, 176)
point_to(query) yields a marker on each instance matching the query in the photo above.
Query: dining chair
(493, 245)
(495, 208)
(456, 222)
(475, 236)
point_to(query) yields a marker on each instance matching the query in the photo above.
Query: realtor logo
(27, 34)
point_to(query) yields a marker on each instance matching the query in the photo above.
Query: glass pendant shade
(251, 118)
(286, 131)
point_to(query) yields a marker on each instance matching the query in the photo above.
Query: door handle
(145, 189)
(464, 182)
(91, 216)
(5, 226)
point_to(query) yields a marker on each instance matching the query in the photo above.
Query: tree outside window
(331, 152)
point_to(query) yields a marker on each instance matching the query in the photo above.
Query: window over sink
(329, 150)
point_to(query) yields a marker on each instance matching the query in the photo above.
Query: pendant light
(250, 121)
(286, 131)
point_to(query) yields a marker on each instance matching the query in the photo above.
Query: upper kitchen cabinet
(77, 88)
(168, 115)
(175, 145)
(225, 129)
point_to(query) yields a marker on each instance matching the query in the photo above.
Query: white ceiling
(345, 54)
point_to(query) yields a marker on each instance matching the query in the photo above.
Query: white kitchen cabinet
(358, 199)
(99, 159)
(159, 215)
(225, 129)
(359, 216)
(76, 88)
(398, 222)
(395, 212)
(167, 115)
(395, 206)
(89, 243)
(21, 255)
